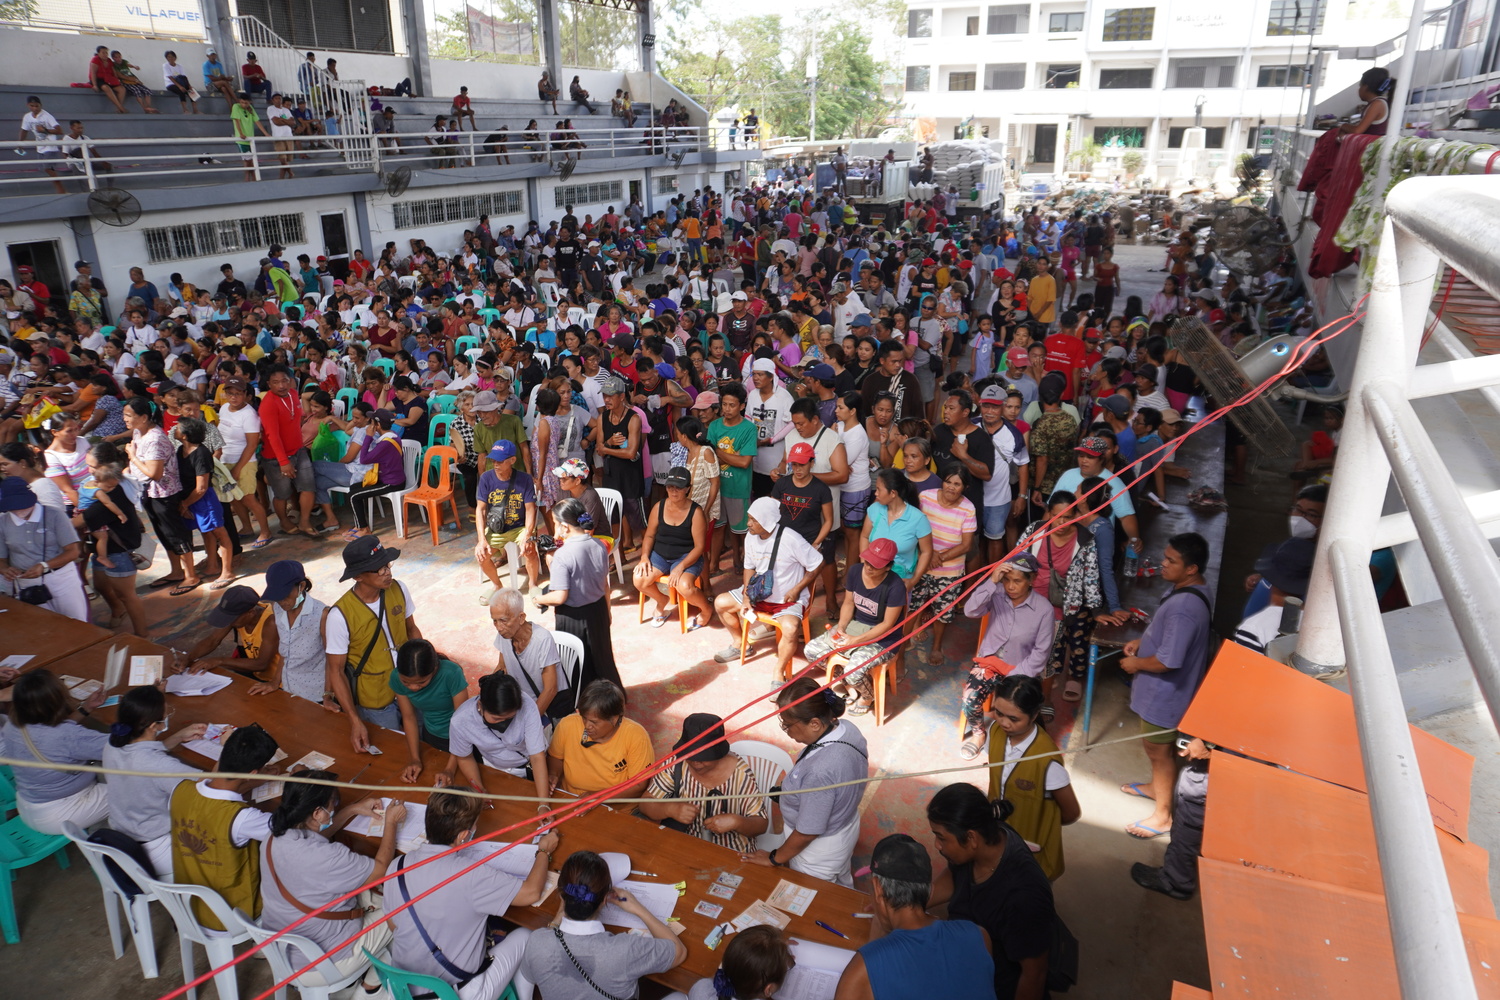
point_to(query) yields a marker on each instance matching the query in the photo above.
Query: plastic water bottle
(1131, 564)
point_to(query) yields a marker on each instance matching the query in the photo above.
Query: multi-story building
(1047, 75)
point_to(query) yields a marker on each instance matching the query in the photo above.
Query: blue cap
(821, 372)
(863, 319)
(503, 450)
(282, 577)
(666, 371)
(15, 494)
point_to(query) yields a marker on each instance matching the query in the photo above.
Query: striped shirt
(948, 527)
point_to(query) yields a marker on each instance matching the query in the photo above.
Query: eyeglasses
(1307, 512)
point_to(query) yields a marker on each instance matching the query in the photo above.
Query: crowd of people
(906, 425)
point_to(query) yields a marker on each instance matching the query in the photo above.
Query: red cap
(964, 265)
(879, 553)
(1003, 274)
(801, 453)
(928, 262)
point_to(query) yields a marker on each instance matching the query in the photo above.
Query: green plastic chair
(464, 343)
(20, 846)
(442, 403)
(386, 365)
(7, 793)
(439, 423)
(489, 315)
(350, 397)
(402, 985)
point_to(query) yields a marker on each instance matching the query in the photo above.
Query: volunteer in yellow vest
(256, 641)
(216, 832)
(1038, 788)
(361, 634)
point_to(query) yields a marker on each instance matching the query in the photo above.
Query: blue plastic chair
(349, 397)
(437, 422)
(489, 315)
(21, 846)
(442, 403)
(386, 365)
(464, 343)
(7, 793)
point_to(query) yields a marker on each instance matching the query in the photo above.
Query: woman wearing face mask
(299, 665)
(302, 869)
(139, 807)
(503, 724)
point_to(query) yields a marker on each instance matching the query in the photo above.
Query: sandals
(657, 621)
(860, 707)
(1072, 691)
(185, 588)
(164, 582)
(221, 584)
(260, 543)
(969, 750)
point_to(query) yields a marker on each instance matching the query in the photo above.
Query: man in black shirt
(591, 267)
(569, 253)
(569, 220)
(806, 501)
(959, 439)
(891, 376)
(231, 287)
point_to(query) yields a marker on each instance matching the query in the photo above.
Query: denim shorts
(995, 519)
(664, 566)
(115, 565)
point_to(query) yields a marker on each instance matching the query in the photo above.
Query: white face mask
(1301, 527)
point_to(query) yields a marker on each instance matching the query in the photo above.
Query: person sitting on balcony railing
(282, 123)
(254, 76)
(174, 75)
(73, 145)
(462, 108)
(437, 138)
(216, 78)
(1375, 89)
(104, 79)
(546, 92)
(580, 96)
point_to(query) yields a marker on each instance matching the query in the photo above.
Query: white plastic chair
(549, 296)
(407, 281)
(411, 456)
(613, 503)
(577, 316)
(569, 657)
(592, 311)
(137, 910)
(514, 565)
(290, 952)
(770, 764)
(178, 899)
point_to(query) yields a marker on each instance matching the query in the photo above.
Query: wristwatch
(774, 862)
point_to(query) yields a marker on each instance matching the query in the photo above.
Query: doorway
(44, 257)
(1044, 149)
(635, 192)
(336, 244)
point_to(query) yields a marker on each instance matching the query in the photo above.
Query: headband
(722, 986)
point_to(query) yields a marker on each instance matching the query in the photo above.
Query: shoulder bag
(763, 585)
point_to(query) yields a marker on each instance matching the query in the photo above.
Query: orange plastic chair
(682, 605)
(761, 618)
(885, 674)
(432, 497)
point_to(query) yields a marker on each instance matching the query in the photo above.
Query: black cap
(901, 858)
(710, 747)
(235, 602)
(366, 555)
(1290, 567)
(679, 477)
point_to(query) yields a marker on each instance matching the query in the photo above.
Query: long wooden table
(43, 635)
(300, 726)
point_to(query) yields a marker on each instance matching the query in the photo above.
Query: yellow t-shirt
(590, 769)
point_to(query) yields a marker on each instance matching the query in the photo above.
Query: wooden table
(1203, 454)
(300, 725)
(43, 635)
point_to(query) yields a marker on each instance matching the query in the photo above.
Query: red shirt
(461, 102)
(1065, 353)
(252, 71)
(104, 71)
(360, 269)
(280, 426)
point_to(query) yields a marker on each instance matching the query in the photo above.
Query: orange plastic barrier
(1182, 991)
(1259, 707)
(1272, 935)
(1280, 821)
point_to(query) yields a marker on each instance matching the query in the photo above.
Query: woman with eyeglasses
(823, 825)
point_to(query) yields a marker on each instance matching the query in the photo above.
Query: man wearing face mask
(1304, 521)
(298, 663)
(503, 724)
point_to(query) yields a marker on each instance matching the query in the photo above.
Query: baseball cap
(1095, 446)
(965, 265)
(15, 494)
(503, 450)
(612, 386)
(1115, 404)
(365, 555)
(879, 554)
(1290, 566)
(801, 453)
(822, 372)
(706, 734)
(705, 400)
(666, 371)
(1170, 416)
(862, 320)
(900, 857)
(1025, 562)
(764, 365)
(235, 602)
(282, 577)
(928, 262)
(993, 394)
(622, 341)
(678, 477)
(739, 297)
(486, 401)
(573, 468)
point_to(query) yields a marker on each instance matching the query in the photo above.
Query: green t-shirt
(741, 439)
(435, 701)
(509, 428)
(244, 120)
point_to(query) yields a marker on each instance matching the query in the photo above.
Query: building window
(667, 184)
(961, 81)
(1045, 148)
(1125, 79)
(436, 211)
(1129, 24)
(1295, 17)
(1281, 76)
(1006, 76)
(1213, 137)
(600, 193)
(1014, 19)
(971, 25)
(918, 78)
(1059, 23)
(209, 239)
(1060, 75)
(919, 24)
(1129, 136)
(1200, 74)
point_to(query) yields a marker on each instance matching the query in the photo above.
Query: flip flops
(185, 588)
(1134, 788)
(1150, 833)
(260, 543)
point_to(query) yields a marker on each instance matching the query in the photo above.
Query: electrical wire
(550, 819)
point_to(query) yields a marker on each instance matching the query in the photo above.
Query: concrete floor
(1133, 943)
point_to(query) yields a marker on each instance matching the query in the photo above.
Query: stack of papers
(792, 898)
(816, 974)
(78, 687)
(411, 834)
(195, 684)
(760, 913)
(658, 897)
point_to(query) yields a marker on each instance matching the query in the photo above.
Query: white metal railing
(1428, 219)
(117, 162)
(288, 70)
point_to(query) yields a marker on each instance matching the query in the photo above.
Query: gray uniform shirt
(316, 870)
(508, 750)
(616, 962)
(141, 808)
(825, 763)
(580, 567)
(68, 743)
(43, 535)
(453, 916)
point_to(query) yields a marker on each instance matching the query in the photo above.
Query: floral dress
(564, 442)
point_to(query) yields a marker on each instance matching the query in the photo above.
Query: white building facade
(1047, 76)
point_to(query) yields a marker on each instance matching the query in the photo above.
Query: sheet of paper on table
(412, 833)
(78, 687)
(17, 660)
(145, 670)
(114, 666)
(793, 898)
(313, 761)
(658, 897)
(265, 792)
(759, 912)
(816, 974)
(211, 743)
(194, 685)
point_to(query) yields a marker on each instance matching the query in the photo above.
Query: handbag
(1057, 584)
(763, 584)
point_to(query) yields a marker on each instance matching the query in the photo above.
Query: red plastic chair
(431, 497)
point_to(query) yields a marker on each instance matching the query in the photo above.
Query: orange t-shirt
(691, 228)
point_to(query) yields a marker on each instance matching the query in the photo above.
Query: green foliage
(1133, 161)
(17, 10)
(1087, 154)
